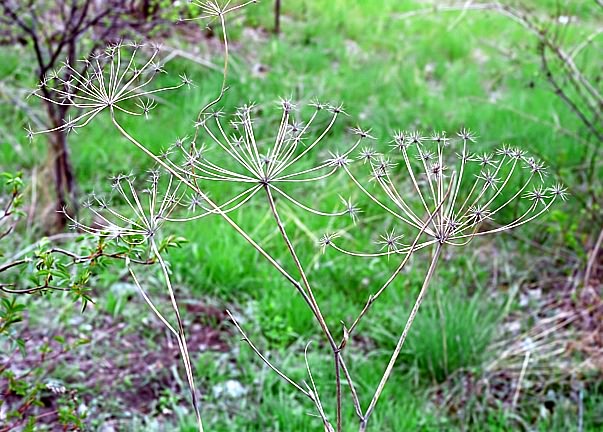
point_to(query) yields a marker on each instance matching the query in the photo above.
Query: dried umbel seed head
(367, 154)
(362, 133)
(326, 240)
(453, 191)
(350, 208)
(146, 214)
(118, 79)
(213, 9)
(391, 241)
(240, 155)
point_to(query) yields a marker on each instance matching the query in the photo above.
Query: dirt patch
(131, 366)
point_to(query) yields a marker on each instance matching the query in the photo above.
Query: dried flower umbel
(116, 79)
(265, 165)
(256, 165)
(469, 190)
(451, 195)
(150, 208)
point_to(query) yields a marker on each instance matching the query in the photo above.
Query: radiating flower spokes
(196, 201)
(147, 214)
(212, 9)
(466, 193)
(246, 159)
(114, 79)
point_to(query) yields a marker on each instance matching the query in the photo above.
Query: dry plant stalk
(444, 206)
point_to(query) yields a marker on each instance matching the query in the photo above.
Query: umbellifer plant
(451, 195)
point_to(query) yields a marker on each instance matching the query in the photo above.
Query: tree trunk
(65, 196)
(277, 16)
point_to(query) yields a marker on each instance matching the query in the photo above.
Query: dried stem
(181, 335)
(338, 388)
(266, 361)
(592, 259)
(398, 349)
(399, 269)
(314, 304)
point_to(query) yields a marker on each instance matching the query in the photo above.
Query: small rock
(231, 389)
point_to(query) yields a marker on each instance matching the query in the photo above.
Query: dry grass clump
(539, 370)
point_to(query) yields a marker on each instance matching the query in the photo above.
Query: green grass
(391, 74)
(451, 333)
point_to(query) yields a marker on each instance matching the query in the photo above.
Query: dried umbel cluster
(149, 209)
(150, 205)
(116, 78)
(231, 151)
(437, 189)
(443, 194)
(437, 186)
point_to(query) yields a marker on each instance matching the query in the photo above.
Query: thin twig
(266, 361)
(398, 349)
(524, 368)
(182, 338)
(592, 259)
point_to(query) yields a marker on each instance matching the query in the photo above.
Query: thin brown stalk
(593, 259)
(182, 338)
(399, 269)
(353, 392)
(566, 98)
(266, 361)
(524, 368)
(3, 287)
(302, 273)
(402, 339)
(314, 304)
(338, 389)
